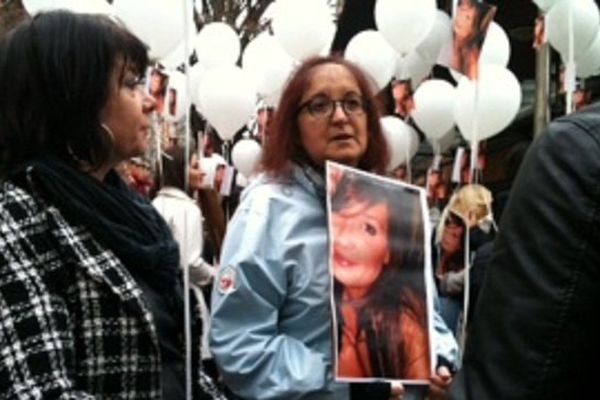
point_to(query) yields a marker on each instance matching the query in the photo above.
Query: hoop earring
(108, 131)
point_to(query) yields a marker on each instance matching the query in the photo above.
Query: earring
(108, 131)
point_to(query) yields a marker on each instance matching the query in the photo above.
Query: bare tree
(243, 15)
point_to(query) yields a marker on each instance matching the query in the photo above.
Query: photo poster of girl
(379, 260)
(157, 84)
(471, 21)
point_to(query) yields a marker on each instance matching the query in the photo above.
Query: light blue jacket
(271, 332)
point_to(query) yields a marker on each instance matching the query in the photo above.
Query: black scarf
(117, 217)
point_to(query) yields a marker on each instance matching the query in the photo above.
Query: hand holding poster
(379, 263)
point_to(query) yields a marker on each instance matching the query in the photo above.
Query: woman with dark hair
(469, 212)
(271, 311)
(379, 270)
(175, 203)
(90, 293)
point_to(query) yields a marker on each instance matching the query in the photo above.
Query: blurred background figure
(468, 216)
(185, 220)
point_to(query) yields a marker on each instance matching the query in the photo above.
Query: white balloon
(496, 46)
(196, 74)
(405, 23)
(245, 156)
(430, 48)
(402, 139)
(589, 62)
(159, 23)
(177, 56)
(302, 27)
(270, 65)
(434, 105)
(273, 99)
(198, 6)
(241, 181)
(370, 51)
(498, 101)
(446, 141)
(78, 6)
(585, 19)
(545, 5)
(217, 44)
(326, 50)
(227, 99)
(412, 66)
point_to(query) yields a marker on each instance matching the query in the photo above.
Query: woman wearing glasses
(270, 333)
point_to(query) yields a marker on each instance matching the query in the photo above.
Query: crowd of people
(97, 251)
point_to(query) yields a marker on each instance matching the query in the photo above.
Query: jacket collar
(311, 179)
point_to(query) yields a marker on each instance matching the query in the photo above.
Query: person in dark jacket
(535, 330)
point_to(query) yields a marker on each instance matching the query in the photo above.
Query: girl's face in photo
(465, 20)
(361, 247)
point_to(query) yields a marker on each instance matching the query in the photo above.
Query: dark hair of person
(55, 76)
(174, 162)
(284, 145)
(401, 285)
(456, 260)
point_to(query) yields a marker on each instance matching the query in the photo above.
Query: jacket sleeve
(535, 329)
(254, 357)
(36, 343)
(445, 346)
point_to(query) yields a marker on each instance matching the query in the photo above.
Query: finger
(443, 372)
(397, 389)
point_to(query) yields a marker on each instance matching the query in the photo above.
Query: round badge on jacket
(227, 280)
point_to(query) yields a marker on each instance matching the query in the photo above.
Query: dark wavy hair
(401, 285)
(174, 162)
(55, 73)
(284, 145)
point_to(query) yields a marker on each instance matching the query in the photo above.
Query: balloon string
(187, 14)
(474, 134)
(570, 67)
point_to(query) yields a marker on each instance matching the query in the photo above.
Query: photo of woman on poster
(157, 88)
(471, 21)
(378, 265)
(404, 103)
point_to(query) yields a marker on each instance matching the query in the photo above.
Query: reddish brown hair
(284, 146)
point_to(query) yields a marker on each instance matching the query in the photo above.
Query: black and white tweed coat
(73, 324)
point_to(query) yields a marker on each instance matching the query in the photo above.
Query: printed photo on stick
(157, 87)
(471, 21)
(379, 260)
(404, 103)
(172, 102)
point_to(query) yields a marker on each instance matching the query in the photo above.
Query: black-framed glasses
(323, 106)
